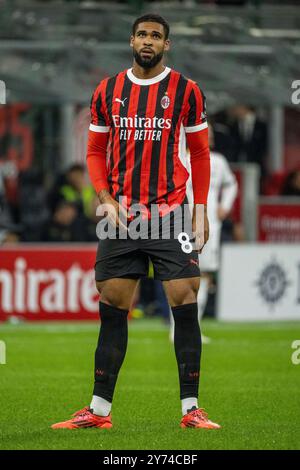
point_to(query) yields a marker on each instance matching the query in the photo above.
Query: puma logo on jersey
(193, 261)
(121, 101)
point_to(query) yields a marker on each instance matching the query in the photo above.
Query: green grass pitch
(248, 385)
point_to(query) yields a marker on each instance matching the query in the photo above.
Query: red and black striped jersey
(146, 120)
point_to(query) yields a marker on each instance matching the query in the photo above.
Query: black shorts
(129, 258)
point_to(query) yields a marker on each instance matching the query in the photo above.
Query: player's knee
(189, 296)
(112, 296)
(186, 293)
(194, 286)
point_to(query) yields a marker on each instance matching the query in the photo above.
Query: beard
(147, 63)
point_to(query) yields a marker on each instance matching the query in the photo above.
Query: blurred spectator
(223, 142)
(33, 207)
(7, 171)
(291, 186)
(92, 221)
(7, 237)
(249, 136)
(232, 231)
(73, 187)
(66, 225)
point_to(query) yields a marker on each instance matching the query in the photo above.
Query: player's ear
(167, 44)
(131, 41)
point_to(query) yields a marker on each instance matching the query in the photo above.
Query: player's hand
(200, 226)
(113, 210)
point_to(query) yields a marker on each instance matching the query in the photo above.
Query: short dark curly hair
(151, 17)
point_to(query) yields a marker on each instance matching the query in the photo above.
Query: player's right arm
(98, 137)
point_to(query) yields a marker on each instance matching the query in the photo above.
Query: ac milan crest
(165, 101)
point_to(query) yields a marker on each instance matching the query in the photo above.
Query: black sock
(187, 342)
(111, 349)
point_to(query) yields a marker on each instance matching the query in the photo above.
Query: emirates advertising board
(278, 222)
(259, 282)
(48, 282)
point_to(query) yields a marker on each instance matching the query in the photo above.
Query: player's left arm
(196, 129)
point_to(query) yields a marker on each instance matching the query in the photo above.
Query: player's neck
(140, 72)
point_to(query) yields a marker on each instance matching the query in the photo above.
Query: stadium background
(245, 55)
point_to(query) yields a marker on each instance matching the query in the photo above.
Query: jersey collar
(147, 81)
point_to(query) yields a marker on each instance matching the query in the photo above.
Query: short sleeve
(99, 118)
(195, 118)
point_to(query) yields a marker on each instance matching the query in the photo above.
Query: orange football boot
(85, 419)
(197, 418)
